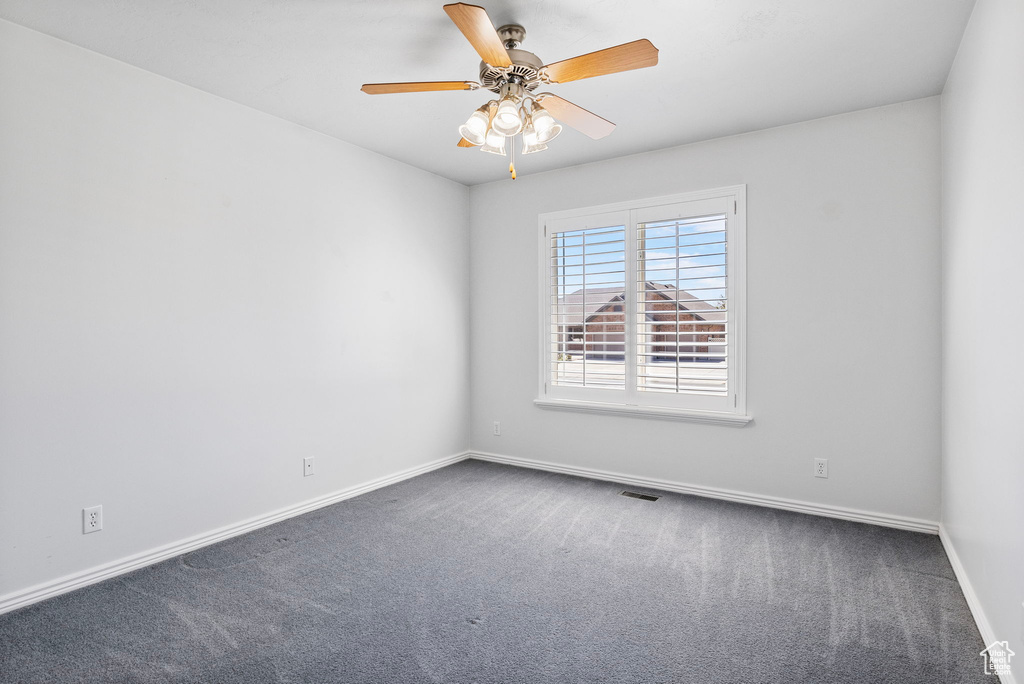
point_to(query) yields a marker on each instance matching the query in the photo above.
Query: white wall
(193, 297)
(843, 314)
(983, 240)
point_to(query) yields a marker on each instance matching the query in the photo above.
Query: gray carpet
(488, 573)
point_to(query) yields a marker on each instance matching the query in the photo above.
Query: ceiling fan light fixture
(475, 128)
(530, 142)
(494, 143)
(544, 124)
(550, 134)
(507, 120)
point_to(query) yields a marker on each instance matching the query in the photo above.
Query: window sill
(691, 415)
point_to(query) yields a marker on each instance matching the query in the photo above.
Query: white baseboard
(899, 522)
(988, 635)
(40, 592)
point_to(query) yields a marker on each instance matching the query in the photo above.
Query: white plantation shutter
(682, 300)
(643, 305)
(587, 298)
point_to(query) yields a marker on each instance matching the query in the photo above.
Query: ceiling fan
(514, 75)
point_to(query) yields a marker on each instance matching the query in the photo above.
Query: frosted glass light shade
(507, 120)
(475, 128)
(549, 134)
(544, 124)
(494, 143)
(530, 142)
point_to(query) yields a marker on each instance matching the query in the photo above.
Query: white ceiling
(726, 66)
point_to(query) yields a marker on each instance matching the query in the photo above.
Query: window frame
(729, 409)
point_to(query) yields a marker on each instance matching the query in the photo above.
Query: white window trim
(736, 236)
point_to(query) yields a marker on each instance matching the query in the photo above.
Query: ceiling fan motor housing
(525, 69)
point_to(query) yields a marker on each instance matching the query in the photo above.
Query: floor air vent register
(638, 495)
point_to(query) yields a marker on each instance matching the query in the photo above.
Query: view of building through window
(679, 304)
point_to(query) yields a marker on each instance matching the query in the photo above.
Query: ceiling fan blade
(465, 143)
(479, 31)
(421, 87)
(579, 118)
(636, 55)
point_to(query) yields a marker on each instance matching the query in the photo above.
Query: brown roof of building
(582, 304)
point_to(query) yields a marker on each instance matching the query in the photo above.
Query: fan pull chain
(512, 164)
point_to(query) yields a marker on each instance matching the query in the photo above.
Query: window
(643, 307)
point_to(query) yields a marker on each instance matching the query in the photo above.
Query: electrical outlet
(92, 519)
(821, 467)
(307, 466)
(497, 429)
